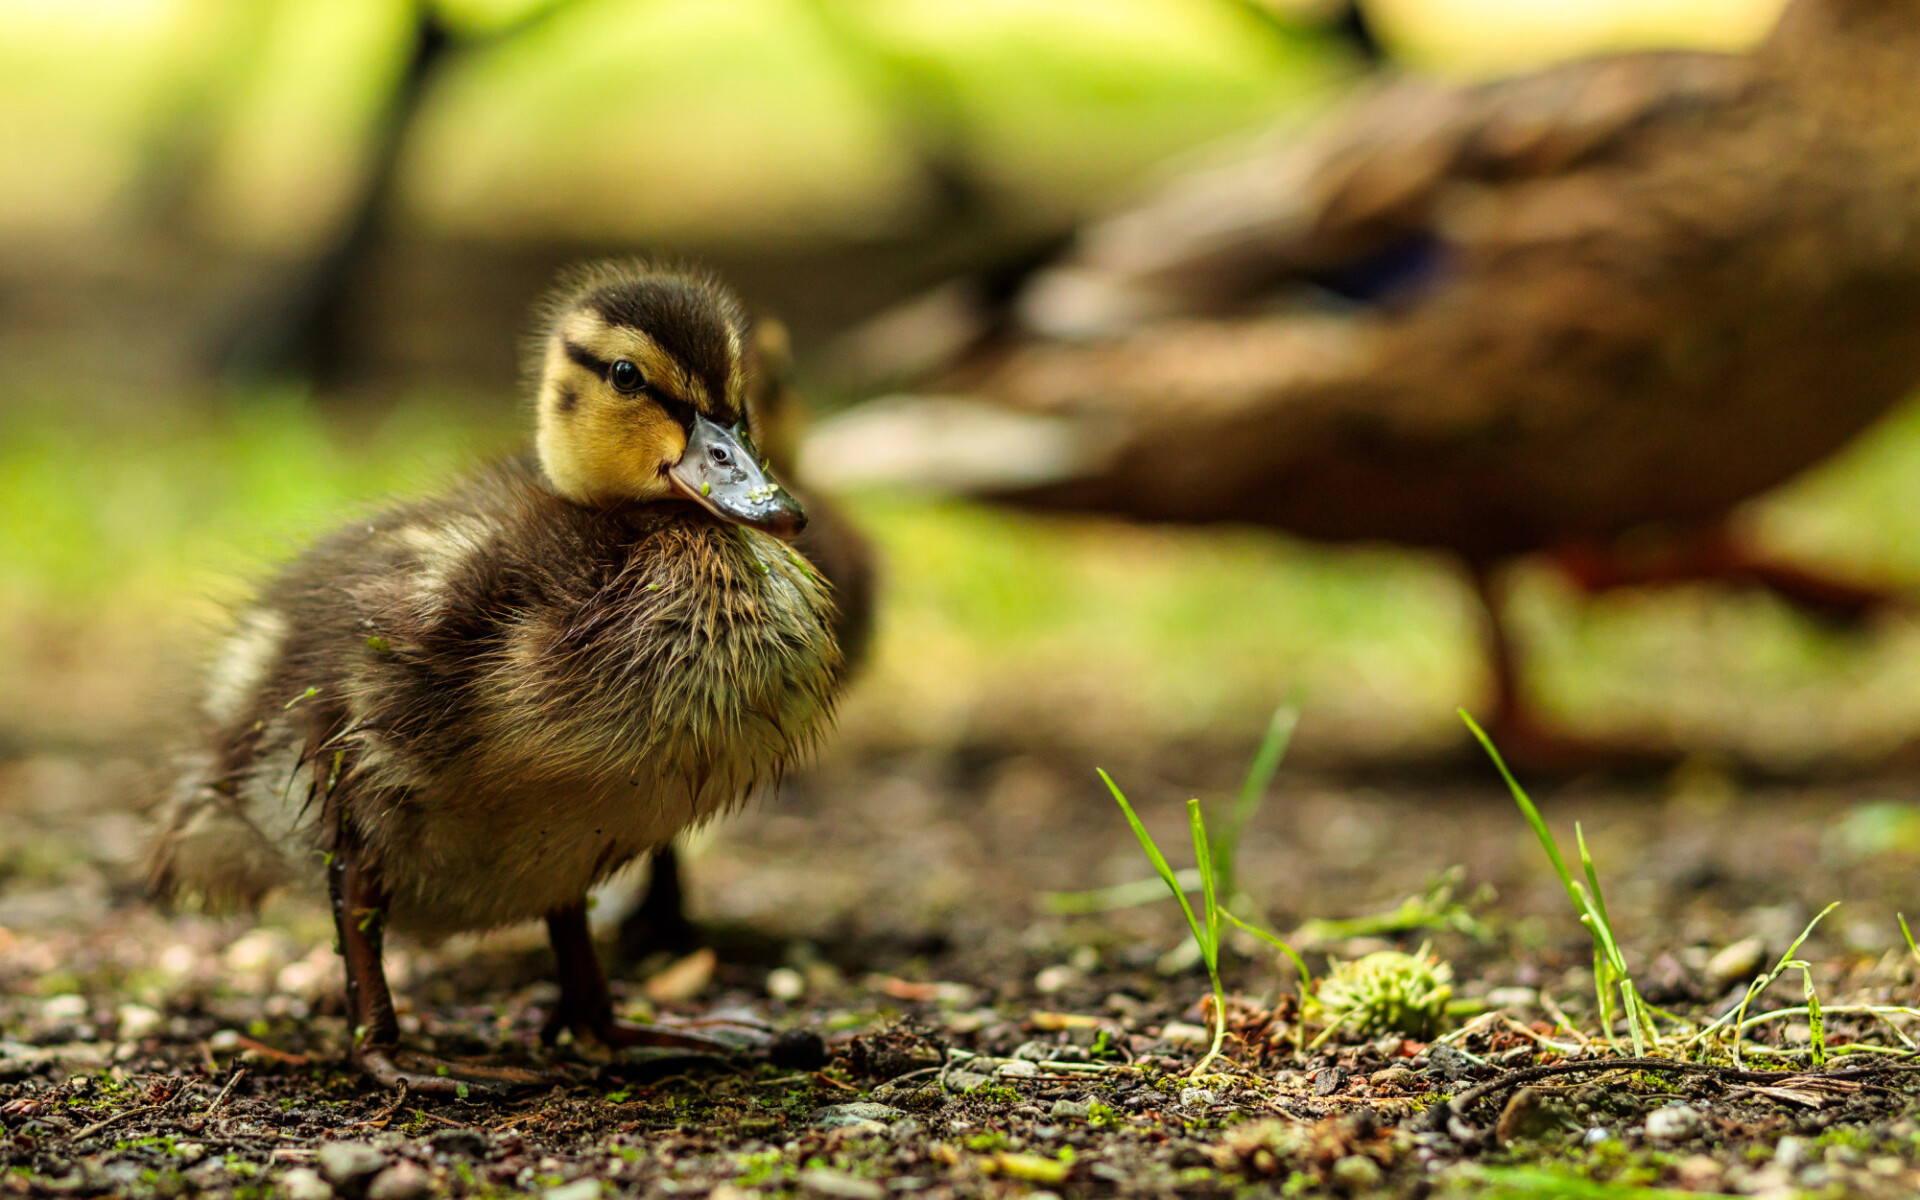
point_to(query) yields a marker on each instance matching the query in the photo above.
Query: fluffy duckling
(832, 544)
(469, 710)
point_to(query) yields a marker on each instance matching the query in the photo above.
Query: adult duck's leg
(1717, 555)
(586, 1007)
(660, 921)
(359, 918)
(1525, 739)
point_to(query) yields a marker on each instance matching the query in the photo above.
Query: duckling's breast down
(512, 696)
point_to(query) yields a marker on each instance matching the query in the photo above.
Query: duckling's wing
(1358, 210)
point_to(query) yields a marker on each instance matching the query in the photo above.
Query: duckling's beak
(718, 471)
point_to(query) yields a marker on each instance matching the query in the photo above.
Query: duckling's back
(504, 696)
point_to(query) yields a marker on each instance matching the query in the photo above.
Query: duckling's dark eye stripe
(679, 410)
(588, 359)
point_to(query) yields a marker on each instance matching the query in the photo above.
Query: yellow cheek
(627, 454)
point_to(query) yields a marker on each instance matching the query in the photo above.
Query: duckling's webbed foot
(659, 921)
(426, 1074)
(359, 917)
(586, 1008)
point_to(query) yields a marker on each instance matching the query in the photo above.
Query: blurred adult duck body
(1623, 293)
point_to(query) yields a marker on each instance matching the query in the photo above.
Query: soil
(946, 1036)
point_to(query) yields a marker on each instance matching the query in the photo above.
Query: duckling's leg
(659, 922)
(586, 1007)
(359, 916)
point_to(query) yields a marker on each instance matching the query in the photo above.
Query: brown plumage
(834, 546)
(473, 708)
(1625, 292)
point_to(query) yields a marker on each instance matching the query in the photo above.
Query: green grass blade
(1266, 762)
(1527, 809)
(1603, 992)
(1273, 939)
(1593, 880)
(1209, 893)
(1210, 941)
(1119, 896)
(1253, 789)
(1908, 934)
(1154, 856)
(1787, 958)
(1816, 1024)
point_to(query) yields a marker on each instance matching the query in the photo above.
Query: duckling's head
(641, 390)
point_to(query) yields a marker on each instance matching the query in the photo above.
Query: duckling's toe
(425, 1074)
(721, 1036)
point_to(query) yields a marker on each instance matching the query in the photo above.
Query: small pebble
(1525, 1116)
(68, 1006)
(1393, 1077)
(1055, 979)
(1700, 1173)
(834, 1116)
(1070, 1110)
(823, 1181)
(1594, 1136)
(964, 1081)
(459, 1143)
(1673, 1123)
(907, 1131)
(257, 952)
(579, 1189)
(785, 983)
(1196, 1097)
(1448, 1064)
(1357, 1174)
(1182, 1034)
(1738, 962)
(349, 1162)
(138, 1021)
(404, 1180)
(798, 1050)
(304, 1183)
(1015, 1068)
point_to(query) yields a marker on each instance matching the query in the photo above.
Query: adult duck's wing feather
(1359, 207)
(1186, 362)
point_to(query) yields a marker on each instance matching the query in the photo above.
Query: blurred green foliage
(697, 121)
(141, 513)
(995, 624)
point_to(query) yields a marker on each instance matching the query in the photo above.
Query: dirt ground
(972, 1044)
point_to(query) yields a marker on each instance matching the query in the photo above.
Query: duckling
(467, 711)
(835, 547)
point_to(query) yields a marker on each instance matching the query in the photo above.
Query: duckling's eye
(625, 377)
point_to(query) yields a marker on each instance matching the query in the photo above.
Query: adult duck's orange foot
(1717, 556)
